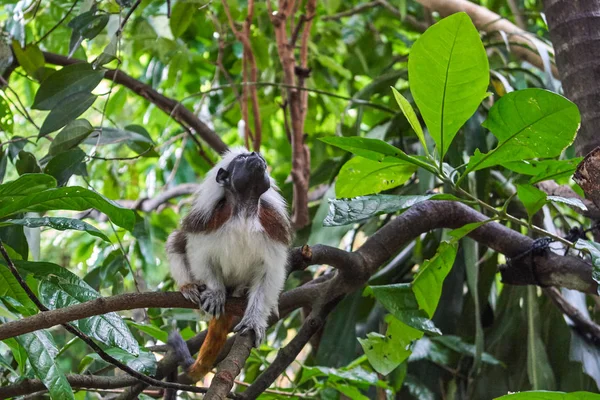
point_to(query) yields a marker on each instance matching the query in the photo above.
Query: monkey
(234, 241)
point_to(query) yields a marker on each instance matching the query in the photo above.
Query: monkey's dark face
(246, 176)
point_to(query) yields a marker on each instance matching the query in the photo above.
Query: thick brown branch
(300, 156)
(28, 386)
(170, 106)
(230, 367)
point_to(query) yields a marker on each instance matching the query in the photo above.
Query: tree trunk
(575, 33)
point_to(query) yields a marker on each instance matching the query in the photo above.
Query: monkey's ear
(222, 177)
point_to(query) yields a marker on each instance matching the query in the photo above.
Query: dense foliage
(396, 117)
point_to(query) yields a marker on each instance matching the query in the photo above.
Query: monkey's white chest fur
(240, 252)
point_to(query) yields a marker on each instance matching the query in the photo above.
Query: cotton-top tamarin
(233, 242)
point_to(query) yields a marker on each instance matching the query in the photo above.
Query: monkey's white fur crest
(210, 192)
(240, 254)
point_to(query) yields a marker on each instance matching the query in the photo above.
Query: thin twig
(58, 24)
(127, 16)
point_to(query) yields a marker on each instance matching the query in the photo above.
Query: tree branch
(230, 367)
(170, 106)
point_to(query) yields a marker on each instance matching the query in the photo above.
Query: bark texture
(575, 32)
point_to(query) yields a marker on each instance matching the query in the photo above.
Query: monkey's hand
(255, 324)
(213, 301)
(192, 292)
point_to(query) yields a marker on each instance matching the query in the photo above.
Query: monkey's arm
(197, 279)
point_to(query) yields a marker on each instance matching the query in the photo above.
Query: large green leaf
(10, 287)
(376, 150)
(360, 176)
(385, 353)
(61, 288)
(70, 136)
(400, 300)
(181, 17)
(428, 283)
(114, 136)
(343, 212)
(58, 223)
(544, 170)
(69, 80)
(448, 74)
(65, 165)
(546, 395)
(25, 185)
(41, 351)
(31, 59)
(530, 123)
(532, 198)
(145, 362)
(67, 198)
(66, 111)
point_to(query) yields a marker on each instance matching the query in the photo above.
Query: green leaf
(64, 83)
(71, 136)
(344, 212)
(89, 24)
(145, 362)
(458, 345)
(41, 351)
(58, 223)
(464, 230)
(10, 287)
(532, 198)
(376, 150)
(410, 115)
(141, 147)
(428, 283)
(544, 170)
(448, 73)
(593, 249)
(571, 201)
(26, 184)
(360, 176)
(115, 136)
(151, 330)
(61, 288)
(349, 392)
(66, 164)
(31, 59)
(27, 164)
(6, 116)
(546, 395)
(66, 111)
(399, 299)
(530, 123)
(68, 198)
(182, 16)
(539, 369)
(386, 353)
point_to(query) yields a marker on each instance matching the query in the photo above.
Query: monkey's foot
(213, 301)
(252, 324)
(192, 292)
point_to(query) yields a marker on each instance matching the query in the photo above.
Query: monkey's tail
(218, 328)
